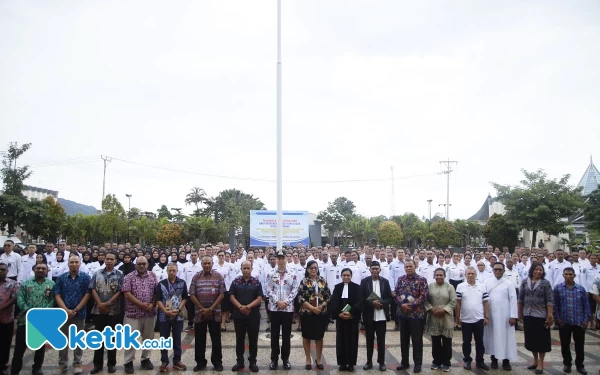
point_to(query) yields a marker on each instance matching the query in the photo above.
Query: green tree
(466, 231)
(389, 234)
(163, 211)
(52, 216)
(344, 206)
(540, 204)
(591, 211)
(15, 210)
(196, 197)
(233, 207)
(444, 233)
(499, 232)
(360, 229)
(169, 234)
(411, 226)
(113, 222)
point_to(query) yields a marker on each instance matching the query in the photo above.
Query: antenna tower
(106, 161)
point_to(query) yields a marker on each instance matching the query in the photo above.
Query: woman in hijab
(482, 273)
(182, 258)
(127, 267)
(160, 269)
(59, 267)
(174, 256)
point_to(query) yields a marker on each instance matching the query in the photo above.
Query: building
(589, 182)
(32, 192)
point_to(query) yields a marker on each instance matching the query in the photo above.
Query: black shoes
(467, 365)
(96, 370)
(506, 365)
(494, 364)
(367, 366)
(287, 365)
(200, 367)
(581, 370)
(111, 369)
(37, 371)
(147, 365)
(253, 367)
(402, 367)
(350, 368)
(218, 368)
(482, 366)
(382, 367)
(417, 369)
(237, 367)
(129, 368)
(273, 365)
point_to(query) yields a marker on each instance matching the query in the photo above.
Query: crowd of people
(485, 294)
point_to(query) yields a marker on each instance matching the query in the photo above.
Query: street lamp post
(128, 216)
(429, 203)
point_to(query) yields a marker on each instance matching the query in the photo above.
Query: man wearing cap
(281, 287)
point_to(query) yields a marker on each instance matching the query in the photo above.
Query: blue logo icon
(43, 326)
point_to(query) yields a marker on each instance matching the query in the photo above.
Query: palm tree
(195, 197)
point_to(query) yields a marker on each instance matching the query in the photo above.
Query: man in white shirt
(29, 260)
(50, 254)
(427, 268)
(472, 311)
(581, 265)
(13, 262)
(187, 273)
(333, 272)
(556, 268)
(591, 274)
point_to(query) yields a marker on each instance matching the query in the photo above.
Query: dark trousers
(441, 350)
(468, 331)
(371, 329)
(411, 330)
(249, 327)
(283, 320)
(172, 328)
(214, 329)
(17, 360)
(393, 310)
(191, 310)
(102, 321)
(6, 334)
(565, 344)
(593, 306)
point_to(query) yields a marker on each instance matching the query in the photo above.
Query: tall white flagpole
(279, 135)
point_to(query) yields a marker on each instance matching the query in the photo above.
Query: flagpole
(279, 133)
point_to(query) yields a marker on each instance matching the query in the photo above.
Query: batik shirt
(107, 284)
(282, 286)
(72, 290)
(207, 287)
(175, 293)
(414, 291)
(8, 290)
(33, 294)
(141, 288)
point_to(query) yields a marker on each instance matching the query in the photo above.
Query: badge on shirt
(169, 305)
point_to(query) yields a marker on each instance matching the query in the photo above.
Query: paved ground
(553, 364)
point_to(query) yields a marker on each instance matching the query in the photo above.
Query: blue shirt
(72, 290)
(176, 293)
(571, 304)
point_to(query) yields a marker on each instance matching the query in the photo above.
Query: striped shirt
(571, 304)
(207, 286)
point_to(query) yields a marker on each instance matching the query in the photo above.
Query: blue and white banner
(263, 228)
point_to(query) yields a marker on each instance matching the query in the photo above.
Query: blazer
(366, 286)
(354, 300)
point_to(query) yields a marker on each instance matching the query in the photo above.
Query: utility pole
(429, 204)
(448, 165)
(393, 198)
(128, 216)
(106, 161)
(279, 232)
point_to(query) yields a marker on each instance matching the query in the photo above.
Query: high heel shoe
(532, 367)
(319, 366)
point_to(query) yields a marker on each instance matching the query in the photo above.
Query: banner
(263, 228)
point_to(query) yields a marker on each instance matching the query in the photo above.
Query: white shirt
(396, 270)
(333, 275)
(28, 262)
(471, 301)
(591, 274)
(190, 270)
(14, 264)
(456, 272)
(50, 258)
(555, 270)
(378, 314)
(58, 268)
(513, 277)
(427, 271)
